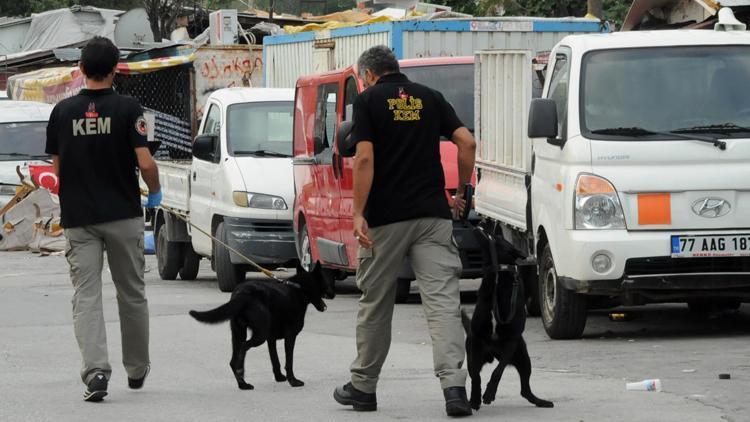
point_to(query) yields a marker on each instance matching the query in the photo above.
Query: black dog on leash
(272, 311)
(495, 330)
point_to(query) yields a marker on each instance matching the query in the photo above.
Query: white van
(633, 185)
(23, 137)
(239, 187)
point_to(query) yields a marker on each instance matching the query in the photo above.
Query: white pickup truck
(238, 186)
(628, 182)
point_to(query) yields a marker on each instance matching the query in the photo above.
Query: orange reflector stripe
(654, 209)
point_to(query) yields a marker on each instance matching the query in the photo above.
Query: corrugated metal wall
(348, 49)
(444, 43)
(287, 62)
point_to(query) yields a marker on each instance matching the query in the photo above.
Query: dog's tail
(466, 321)
(223, 312)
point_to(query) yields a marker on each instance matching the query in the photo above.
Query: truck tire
(403, 287)
(168, 255)
(228, 274)
(531, 289)
(563, 311)
(191, 263)
(705, 308)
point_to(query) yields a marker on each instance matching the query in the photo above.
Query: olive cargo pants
(123, 242)
(428, 244)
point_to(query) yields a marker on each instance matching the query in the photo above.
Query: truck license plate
(710, 246)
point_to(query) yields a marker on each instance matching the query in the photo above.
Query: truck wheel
(229, 275)
(705, 308)
(403, 286)
(531, 287)
(563, 311)
(191, 263)
(168, 255)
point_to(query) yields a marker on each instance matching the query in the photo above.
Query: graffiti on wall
(217, 68)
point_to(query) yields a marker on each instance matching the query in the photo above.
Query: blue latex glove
(153, 201)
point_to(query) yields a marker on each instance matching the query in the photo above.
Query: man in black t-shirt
(401, 210)
(97, 140)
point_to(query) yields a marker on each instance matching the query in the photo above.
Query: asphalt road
(191, 380)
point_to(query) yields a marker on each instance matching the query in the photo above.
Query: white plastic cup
(645, 385)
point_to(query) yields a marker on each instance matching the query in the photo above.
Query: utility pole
(270, 12)
(595, 8)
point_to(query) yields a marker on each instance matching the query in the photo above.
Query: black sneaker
(456, 403)
(137, 383)
(350, 396)
(96, 389)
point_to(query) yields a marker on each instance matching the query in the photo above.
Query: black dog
(495, 330)
(272, 311)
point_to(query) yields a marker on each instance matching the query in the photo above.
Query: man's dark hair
(379, 59)
(99, 57)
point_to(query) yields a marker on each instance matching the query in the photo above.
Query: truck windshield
(23, 141)
(685, 90)
(262, 128)
(454, 81)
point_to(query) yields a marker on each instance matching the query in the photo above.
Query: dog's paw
(294, 382)
(475, 403)
(245, 386)
(545, 403)
(279, 377)
(488, 398)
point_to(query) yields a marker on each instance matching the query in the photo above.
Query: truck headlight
(259, 200)
(597, 205)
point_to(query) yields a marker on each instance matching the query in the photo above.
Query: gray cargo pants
(428, 244)
(123, 241)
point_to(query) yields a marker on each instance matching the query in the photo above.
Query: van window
(454, 81)
(350, 94)
(213, 121)
(558, 90)
(325, 114)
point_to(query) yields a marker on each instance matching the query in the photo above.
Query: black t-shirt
(404, 121)
(95, 134)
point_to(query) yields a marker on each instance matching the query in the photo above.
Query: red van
(323, 178)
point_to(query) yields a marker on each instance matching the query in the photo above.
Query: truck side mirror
(346, 149)
(204, 147)
(543, 120)
(318, 146)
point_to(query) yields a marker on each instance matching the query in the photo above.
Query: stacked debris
(31, 220)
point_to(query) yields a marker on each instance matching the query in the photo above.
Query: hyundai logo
(711, 207)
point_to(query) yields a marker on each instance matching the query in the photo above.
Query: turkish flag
(45, 177)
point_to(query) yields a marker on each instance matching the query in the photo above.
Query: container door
(504, 91)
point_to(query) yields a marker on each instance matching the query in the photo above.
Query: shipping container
(287, 57)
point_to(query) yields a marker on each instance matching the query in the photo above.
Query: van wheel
(191, 263)
(403, 287)
(305, 250)
(229, 275)
(531, 289)
(168, 255)
(563, 311)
